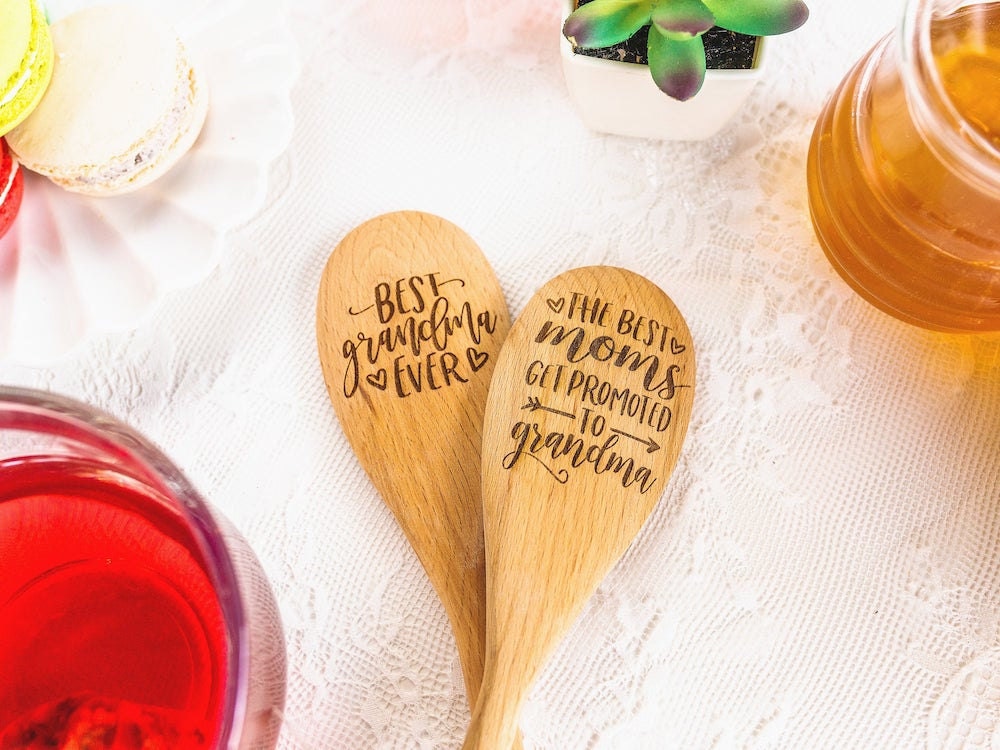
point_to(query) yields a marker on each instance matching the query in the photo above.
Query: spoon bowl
(586, 415)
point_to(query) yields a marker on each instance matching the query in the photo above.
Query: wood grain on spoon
(410, 319)
(586, 415)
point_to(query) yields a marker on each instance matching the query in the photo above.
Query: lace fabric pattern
(823, 569)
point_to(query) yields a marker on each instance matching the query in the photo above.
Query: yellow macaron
(25, 60)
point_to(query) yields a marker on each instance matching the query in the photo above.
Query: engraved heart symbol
(378, 379)
(676, 347)
(476, 359)
(556, 305)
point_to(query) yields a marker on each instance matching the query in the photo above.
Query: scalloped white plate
(75, 266)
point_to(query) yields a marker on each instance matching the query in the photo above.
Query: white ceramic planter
(621, 98)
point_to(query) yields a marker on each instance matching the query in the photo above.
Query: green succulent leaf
(603, 23)
(759, 17)
(681, 19)
(677, 65)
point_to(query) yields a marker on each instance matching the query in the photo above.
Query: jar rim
(952, 136)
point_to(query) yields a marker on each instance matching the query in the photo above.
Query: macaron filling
(22, 77)
(10, 197)
(14, 166)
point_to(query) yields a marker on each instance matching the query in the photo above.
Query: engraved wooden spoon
(410, 319)
(587, 411)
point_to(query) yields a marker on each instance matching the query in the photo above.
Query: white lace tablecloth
(823, 570)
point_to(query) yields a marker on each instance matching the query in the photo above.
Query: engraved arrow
(651, 445)
(534, 403)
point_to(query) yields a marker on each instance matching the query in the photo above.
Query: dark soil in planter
(724, 49)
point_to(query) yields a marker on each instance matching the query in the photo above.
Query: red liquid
(108, 622)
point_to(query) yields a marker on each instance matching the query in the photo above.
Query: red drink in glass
(123, 603)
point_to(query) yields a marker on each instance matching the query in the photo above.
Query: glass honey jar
(904, 169)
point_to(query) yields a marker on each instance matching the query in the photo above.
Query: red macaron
(11, 187)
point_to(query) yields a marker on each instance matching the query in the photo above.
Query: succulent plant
(675, 50)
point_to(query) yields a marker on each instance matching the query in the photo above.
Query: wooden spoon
(409, 322)
(586, 414)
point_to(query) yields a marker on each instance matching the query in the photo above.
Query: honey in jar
(904, 169)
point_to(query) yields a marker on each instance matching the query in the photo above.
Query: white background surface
(822, 570)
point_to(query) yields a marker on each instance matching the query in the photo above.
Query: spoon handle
(491, 735)
(494, 724)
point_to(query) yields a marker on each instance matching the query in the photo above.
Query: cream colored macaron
(123, 106)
